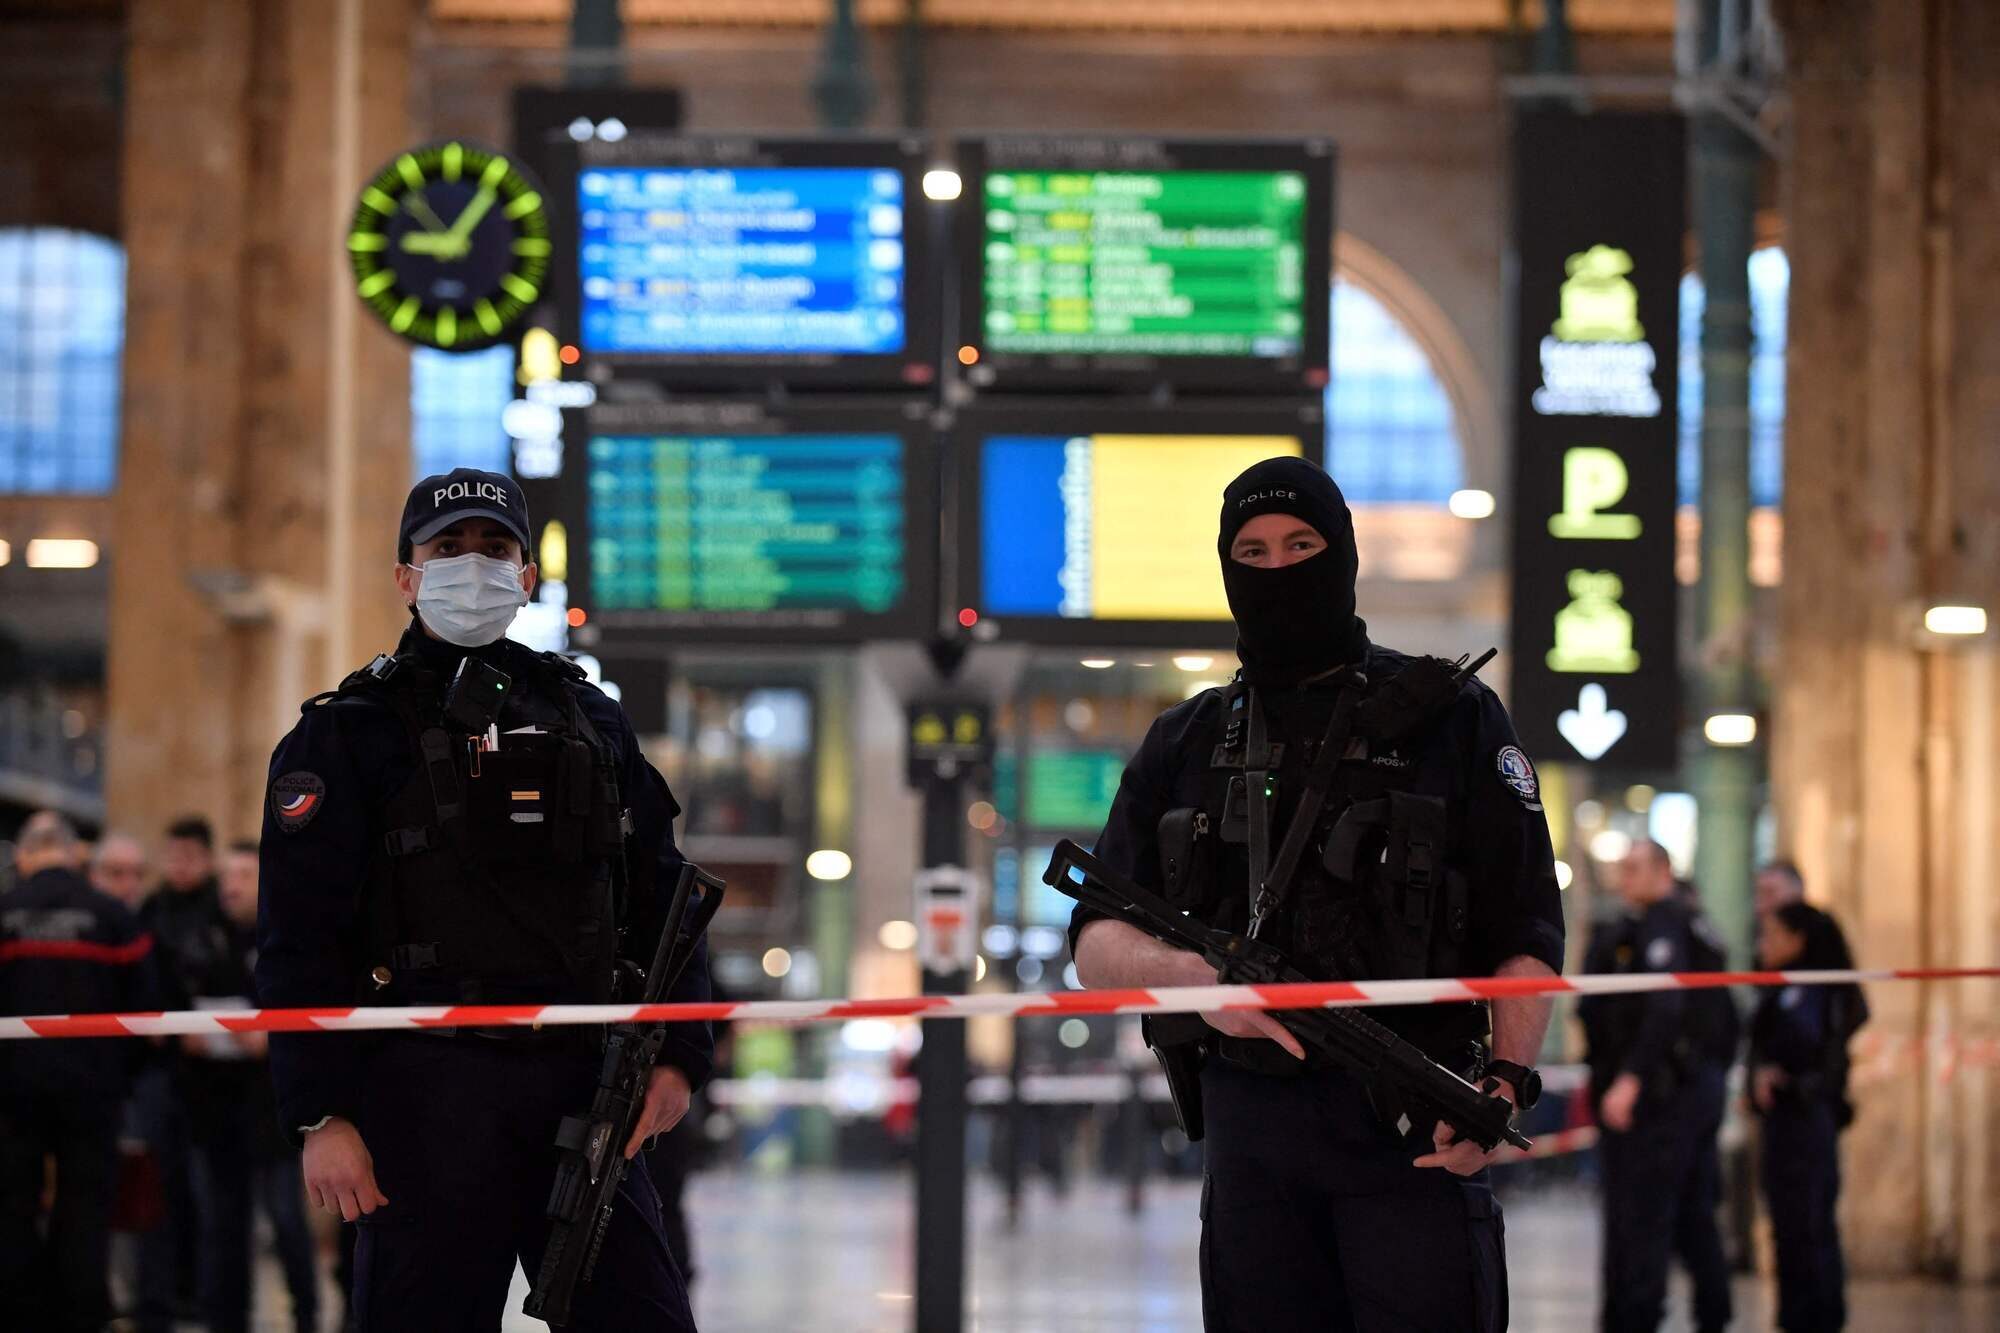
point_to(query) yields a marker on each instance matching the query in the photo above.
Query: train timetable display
(741, 261)
(1161, 263)
(768, 530)
(1107, 527)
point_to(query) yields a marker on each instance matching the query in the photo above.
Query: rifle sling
(1269, 892)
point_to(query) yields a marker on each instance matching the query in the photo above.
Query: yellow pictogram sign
(1594, 633)
(1594, 479)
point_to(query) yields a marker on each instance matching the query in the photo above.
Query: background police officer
(1658, 1064)
(413, 852)
(1322, 1206)
(65, 948)
(1798, 1075)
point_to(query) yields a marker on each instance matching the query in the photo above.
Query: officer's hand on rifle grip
(667, 1098)
(1188, 969)
(339, 1172)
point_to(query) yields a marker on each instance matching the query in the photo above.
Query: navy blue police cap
(437, 502)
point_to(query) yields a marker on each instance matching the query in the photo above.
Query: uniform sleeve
(313, 861)
(1128, 842)
(1516, 908)
(1661, 946)
(655, 863)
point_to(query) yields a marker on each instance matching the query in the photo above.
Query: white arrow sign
(1591, 727)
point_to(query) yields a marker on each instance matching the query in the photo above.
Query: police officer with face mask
(1326, 1205)
(467, 821)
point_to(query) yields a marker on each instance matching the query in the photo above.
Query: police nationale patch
(1519, 774)
(296, 798)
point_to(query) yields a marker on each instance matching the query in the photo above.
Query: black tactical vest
(501, 871)
(1379, 893)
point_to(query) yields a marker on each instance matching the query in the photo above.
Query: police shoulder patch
(296, 798)
(1519, 775)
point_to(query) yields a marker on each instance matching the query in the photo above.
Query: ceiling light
(897, 935)
(829, 863)
(1193, 662)
(777, 962)
(942, 184)
(1730, 729)
(61, 553)
(1099, 663)
(1956, 620)
(1471, 504)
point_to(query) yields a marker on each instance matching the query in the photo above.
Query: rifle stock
(1349, 1038)
(593, 1162)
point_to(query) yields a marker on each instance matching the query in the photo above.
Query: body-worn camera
(478, 690)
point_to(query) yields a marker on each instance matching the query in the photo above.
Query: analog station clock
(450, 245)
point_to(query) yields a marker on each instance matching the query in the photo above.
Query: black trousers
(53, 1278)
(1314, 1219)
(232, 1183)
(1662, 1186)
(462, 1130)
(1801, 1177)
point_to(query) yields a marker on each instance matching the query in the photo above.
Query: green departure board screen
(700, 527)
(1156, 263)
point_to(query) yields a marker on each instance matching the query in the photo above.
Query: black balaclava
(1298, 621)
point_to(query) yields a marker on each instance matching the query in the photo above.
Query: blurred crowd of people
(173, 1142)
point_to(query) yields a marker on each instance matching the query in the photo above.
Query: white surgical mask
(469, 600)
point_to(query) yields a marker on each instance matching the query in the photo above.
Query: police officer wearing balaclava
(503, 841)
(1325, 1205)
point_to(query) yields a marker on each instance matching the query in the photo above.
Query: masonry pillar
(265, 447)
(1886, 753)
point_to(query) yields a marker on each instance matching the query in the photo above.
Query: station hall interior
(940, 515)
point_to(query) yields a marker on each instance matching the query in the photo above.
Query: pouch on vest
(1186, 869)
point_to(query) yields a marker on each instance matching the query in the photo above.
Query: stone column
(265, 449)
(1886, 741)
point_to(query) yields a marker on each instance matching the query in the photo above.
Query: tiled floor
(832, 1252)
(825, 1252)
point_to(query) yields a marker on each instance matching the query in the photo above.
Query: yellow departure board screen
(1109, 526)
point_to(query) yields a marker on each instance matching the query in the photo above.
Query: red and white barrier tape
(1183, 999)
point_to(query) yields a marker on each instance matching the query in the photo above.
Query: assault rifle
(1349, 1038)
(593, 1144)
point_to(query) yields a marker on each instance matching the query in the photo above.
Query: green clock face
(450, 245)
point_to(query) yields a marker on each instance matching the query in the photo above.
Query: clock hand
(461, 230)
(430, 243)
(420, 208)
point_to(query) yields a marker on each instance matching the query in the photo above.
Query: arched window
(1770, 286)
(456, 399)
(62, 330)
(1391, 433)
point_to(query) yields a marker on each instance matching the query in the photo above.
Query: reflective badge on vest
(1519, 774)
(296, 798)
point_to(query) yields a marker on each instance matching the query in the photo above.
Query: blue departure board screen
(707, 526)
(732, 261)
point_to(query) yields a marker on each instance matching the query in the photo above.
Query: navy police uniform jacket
(1661, 1037)
(320, 835)
(1469, 754)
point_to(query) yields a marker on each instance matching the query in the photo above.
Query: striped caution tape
(1183, 999)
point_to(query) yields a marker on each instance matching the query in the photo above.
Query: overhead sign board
(1094, 524)
(1599, 209)
(729, 522)
(1093, 262)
